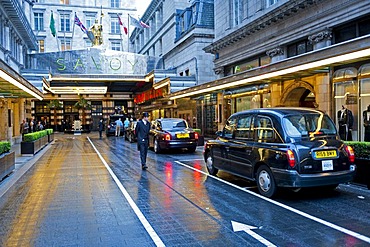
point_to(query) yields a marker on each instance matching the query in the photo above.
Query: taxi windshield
(309, 125)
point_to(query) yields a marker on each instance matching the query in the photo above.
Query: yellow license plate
(326, 154)
(182, 135)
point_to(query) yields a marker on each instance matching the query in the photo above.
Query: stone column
(321, 39)
(276, 54)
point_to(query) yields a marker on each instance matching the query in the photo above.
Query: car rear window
(174, 124)
(309, 125)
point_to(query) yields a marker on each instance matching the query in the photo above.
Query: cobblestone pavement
(82, 191)
(68, 199)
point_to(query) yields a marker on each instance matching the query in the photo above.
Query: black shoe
(144, 167)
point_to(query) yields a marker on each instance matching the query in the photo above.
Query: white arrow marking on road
(237, 227)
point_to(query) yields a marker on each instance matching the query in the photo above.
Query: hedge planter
(362, 161)
(363, 172)
(7, 164)
(34, 146)
(51, 137)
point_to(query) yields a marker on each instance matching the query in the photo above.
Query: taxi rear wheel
(157, 148)
(265, 181)
(209, 164)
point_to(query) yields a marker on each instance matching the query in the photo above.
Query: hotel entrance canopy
(95, 71)
(13, 85)
(315, 62)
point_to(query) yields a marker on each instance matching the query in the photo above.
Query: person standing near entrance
(142, 134)
(126, 123)
(119, 125)
(101, 127)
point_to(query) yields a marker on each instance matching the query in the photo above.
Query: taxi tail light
(167, 137)
(291, 158)
(351, 154)
(196, 136)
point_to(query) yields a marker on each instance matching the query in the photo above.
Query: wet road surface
(69, 198)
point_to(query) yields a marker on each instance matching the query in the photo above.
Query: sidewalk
(64, 196)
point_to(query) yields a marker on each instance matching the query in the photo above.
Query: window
(116, 45)
(39, 21)
(90, 20)
(41, 45)
(352, 30)
(271, 2)
(300, 47)
(65, 23)
(236, 12)
(114, 3)
(263, 129)
(114, 26)
(65, 44)
(229, 128)
(243, 127)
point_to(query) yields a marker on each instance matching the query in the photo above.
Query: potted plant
(83, 105)
(7, 159)
(50, 133)
(362, 161)
(55, 105)
(34, 142)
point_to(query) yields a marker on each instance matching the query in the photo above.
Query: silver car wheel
(264, 181)
(209, 162)
(156, 146)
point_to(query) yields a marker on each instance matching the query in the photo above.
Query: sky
(141, 6)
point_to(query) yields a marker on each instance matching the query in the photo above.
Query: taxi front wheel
(265, 181)
(209, 163)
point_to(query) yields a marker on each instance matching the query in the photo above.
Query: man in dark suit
(142, 133)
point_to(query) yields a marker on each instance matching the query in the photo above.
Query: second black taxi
(172, 133)
(281, 147)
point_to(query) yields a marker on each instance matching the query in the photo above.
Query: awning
(304, 65)
(13, 85)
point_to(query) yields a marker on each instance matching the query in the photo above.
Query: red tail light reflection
(351, 154)
(291, 159)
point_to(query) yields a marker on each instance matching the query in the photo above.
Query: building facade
(16, 41)
(84, 56)
(179, 31)
(68, 36)
(288, 53)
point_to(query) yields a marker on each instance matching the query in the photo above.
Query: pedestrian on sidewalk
(142, 134)
(24, 128)
(101, 127)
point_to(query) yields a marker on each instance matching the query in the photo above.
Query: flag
(135, 22)
(52, 25)
(120, 22)
(144, 25)
(79, 23)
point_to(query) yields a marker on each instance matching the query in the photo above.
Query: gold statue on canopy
(96, 31)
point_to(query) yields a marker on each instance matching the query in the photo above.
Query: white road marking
(133, 205)
(237, 227)
(311, 217)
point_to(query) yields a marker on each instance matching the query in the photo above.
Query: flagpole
(73, 31)
(128, 32)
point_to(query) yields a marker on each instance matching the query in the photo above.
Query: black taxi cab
(281, 147)
(172, 133)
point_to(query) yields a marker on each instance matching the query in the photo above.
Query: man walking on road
(101, 127)
(119, 125)
(142, 133)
